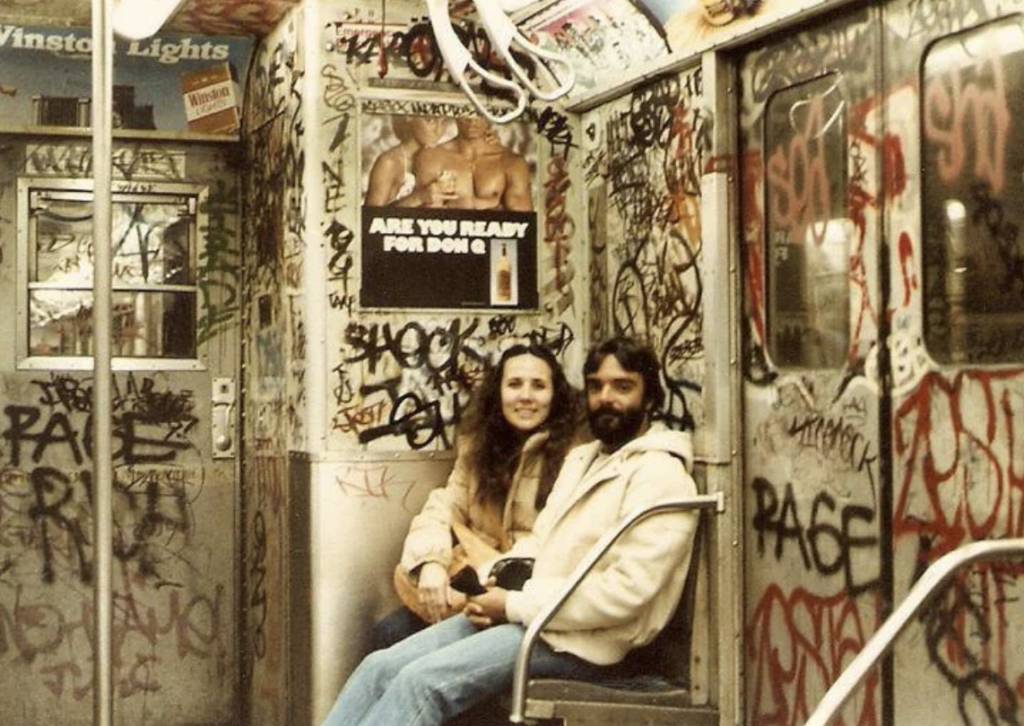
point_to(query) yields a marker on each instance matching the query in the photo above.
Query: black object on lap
(513, 572)
(467, 582)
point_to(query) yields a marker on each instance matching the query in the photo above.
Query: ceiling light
(138, 19)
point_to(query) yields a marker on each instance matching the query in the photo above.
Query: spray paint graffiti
(413, 380)
(805, 56)
(799, 644)
(656, 148)
(933, 18)
(378, 482)
(559, 229)
(969, 114)
(58, 643)
(161, 607)
(274, 236)
(414, 49)
(829, 541)
(556, 129)
(154, 493)
(133, 163)
(442, 362)
(959, 447)
(969, 643)
(219, 268)
(798, 179)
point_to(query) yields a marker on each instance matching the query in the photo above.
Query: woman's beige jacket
(430, 537)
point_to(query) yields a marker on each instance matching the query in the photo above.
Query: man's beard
(614, 428)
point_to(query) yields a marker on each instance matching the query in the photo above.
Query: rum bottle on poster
(503, 274)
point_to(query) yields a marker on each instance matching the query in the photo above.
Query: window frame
(123, 191)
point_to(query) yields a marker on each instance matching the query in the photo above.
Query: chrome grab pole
(878, 644)
(520, 673)
(102, 405)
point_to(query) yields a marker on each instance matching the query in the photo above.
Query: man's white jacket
(632, 592)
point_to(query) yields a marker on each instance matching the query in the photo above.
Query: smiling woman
(526, 392)
(523, 419)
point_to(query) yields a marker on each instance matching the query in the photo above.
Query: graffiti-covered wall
(645, 160)
(644, 156)
(812, 454)
(174, 581)
(957, 295)
(395, 375)
(274, 243)
(884, 389)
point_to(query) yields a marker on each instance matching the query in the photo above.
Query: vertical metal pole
(886, 444)
(102, 142)
(722, 431)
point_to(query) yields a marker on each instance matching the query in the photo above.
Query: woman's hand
(433, 590)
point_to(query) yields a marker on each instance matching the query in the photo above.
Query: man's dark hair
(636, 357)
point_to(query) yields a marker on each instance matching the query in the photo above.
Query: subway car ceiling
(234, 17)
(611, 44)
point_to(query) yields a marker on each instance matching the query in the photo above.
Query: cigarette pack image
(211, 99)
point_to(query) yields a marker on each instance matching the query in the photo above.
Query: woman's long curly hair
(496, 445)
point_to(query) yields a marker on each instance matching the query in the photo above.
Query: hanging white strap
(503, 33)
(458, 59)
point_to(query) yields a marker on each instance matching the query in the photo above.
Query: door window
(972, 153)
(809, 235)
(154, 281)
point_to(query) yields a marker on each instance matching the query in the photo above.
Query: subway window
(972, 153)
(808, 231)
(154, 287)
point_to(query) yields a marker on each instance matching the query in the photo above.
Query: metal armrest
(520, 674)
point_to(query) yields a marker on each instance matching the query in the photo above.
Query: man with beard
(629, 596)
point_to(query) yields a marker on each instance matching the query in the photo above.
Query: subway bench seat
(650, 687)
(641, 700)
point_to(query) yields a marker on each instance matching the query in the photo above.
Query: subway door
(174, 333)
(954, 103)
(811, 159)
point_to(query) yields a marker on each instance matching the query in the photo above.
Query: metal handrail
(520, 674)
(879, 644)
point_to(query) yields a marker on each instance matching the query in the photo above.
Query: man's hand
(440, 191)
(487, 609)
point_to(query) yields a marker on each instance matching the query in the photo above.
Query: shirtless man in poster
(472, 171)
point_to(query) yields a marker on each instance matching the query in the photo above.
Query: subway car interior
(249, 283)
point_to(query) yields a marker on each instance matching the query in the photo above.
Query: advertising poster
(601, 38)
(170, 82)
(694, 25)
(448, 213)
(606, 38)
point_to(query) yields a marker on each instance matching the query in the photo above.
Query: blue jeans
(436, 674)
(394, 627)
